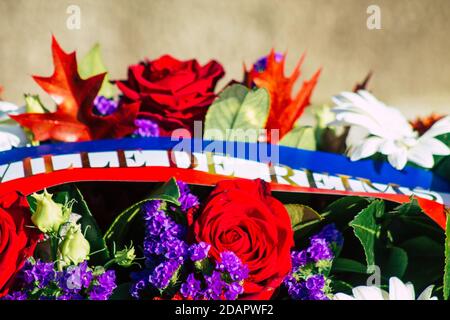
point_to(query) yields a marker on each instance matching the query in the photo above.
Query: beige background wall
(410, 55)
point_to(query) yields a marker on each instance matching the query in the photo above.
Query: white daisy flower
(397, 291)
(11, 134)
(375, 127)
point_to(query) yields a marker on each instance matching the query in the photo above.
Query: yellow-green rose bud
(125, 257)
(49, 215)
(74, 248)
(33, 104)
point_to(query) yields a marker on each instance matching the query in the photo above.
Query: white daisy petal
(399, 291)
(342, 296)
(366, 149)
(357, 119)
(367, 293)
(440, 127)
(398, 159)
(7, 108)
(11, 136)
(410, 288)
(426, 294)
(370, 98)
(8, 141)
(388, 147)
(421, 156)
(434, 146)
(386, 131)
(356, 135)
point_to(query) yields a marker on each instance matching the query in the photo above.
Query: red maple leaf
(284, 111)
(74, 119)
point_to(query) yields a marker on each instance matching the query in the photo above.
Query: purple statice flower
(331, 234)
(105, 106)
(162, 235)
(146, 128)
(233, 290)
(319, 250)
(199, 251)
(306, 281)
(41, 273)
(315, 282)
(75, 278)
(70, 296)
(158, 224)
(191, 288)
(230, 262)
(214, 286)
(187, 199)
(296, 290)
(18, 295)
(315, 285)
(176, 250)
(299, 259)
(104, 286)
(137, 287)
(156, 220)
(40, 281)
(162, 274)
(261, 64)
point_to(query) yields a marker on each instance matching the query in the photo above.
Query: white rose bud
(74, 248)
(49, 215)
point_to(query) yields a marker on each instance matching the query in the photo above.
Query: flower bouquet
(173, 191)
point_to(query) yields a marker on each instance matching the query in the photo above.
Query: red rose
(242, 216)
(172, 93)
(17, 239)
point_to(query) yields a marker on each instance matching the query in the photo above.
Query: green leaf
(348, 265)
(300, 138)
(116, 233)
(396, 263)
(302, 215)
(32, 202)
(447, 260)
(410, 208)
(339, 286)
(367, 230)
(91, 65)
(425, 261)
(443, 168)
(344, 209)
(237, 114)
(89, 225)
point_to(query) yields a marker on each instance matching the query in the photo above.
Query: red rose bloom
(172, 93)
(17, 239)
(242, 216)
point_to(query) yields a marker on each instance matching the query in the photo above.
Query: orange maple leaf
(284, 111)
(74, 119)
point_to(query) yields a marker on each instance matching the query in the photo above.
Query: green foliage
(70, 194)
(237, 111)
(302, 216)
(447, 260)
(348, 265)
(92, 64)
(396, 263)
(300, 138)
(400, 239)
(89, 226)
(117, 232)
(367, 230)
